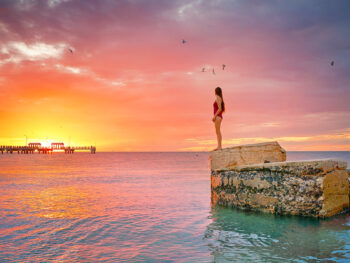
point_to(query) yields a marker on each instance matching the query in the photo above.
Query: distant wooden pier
(37, 147)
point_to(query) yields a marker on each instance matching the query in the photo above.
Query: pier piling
(36, 147)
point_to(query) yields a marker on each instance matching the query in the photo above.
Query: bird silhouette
(223, 66)
(71, 50)
(183, 41)
(332, 63)
(203, 69)
(214, 72)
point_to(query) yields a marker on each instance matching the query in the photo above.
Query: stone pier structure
(318, 188)
(267, 152)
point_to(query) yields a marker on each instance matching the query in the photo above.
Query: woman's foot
(217, 149)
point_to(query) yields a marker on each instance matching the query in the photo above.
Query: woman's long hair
(218, 92)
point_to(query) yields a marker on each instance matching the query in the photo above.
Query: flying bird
(332, 63)
(71, 50)
(203, 69)
(214, 72)
(223, 66)
(183, 41)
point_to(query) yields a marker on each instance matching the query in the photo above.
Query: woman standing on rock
(219, 108)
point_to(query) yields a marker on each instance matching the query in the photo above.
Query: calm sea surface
(146, 207)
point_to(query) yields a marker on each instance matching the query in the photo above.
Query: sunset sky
(132, 85)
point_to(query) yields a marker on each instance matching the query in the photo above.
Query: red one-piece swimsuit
(216, 107)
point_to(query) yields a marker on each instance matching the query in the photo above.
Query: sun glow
(127, 96)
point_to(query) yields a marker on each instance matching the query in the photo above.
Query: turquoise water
(146, 207)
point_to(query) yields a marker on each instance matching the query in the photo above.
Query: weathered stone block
(215, 181)
(258, 200)
(348, 170)
(318, 188)
(267, 152)
(334, 204)
(336, 183)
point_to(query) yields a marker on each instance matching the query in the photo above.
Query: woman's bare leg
(218, 132)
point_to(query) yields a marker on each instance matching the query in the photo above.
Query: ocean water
(146, 207)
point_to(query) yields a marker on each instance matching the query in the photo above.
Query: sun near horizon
(118, 75)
